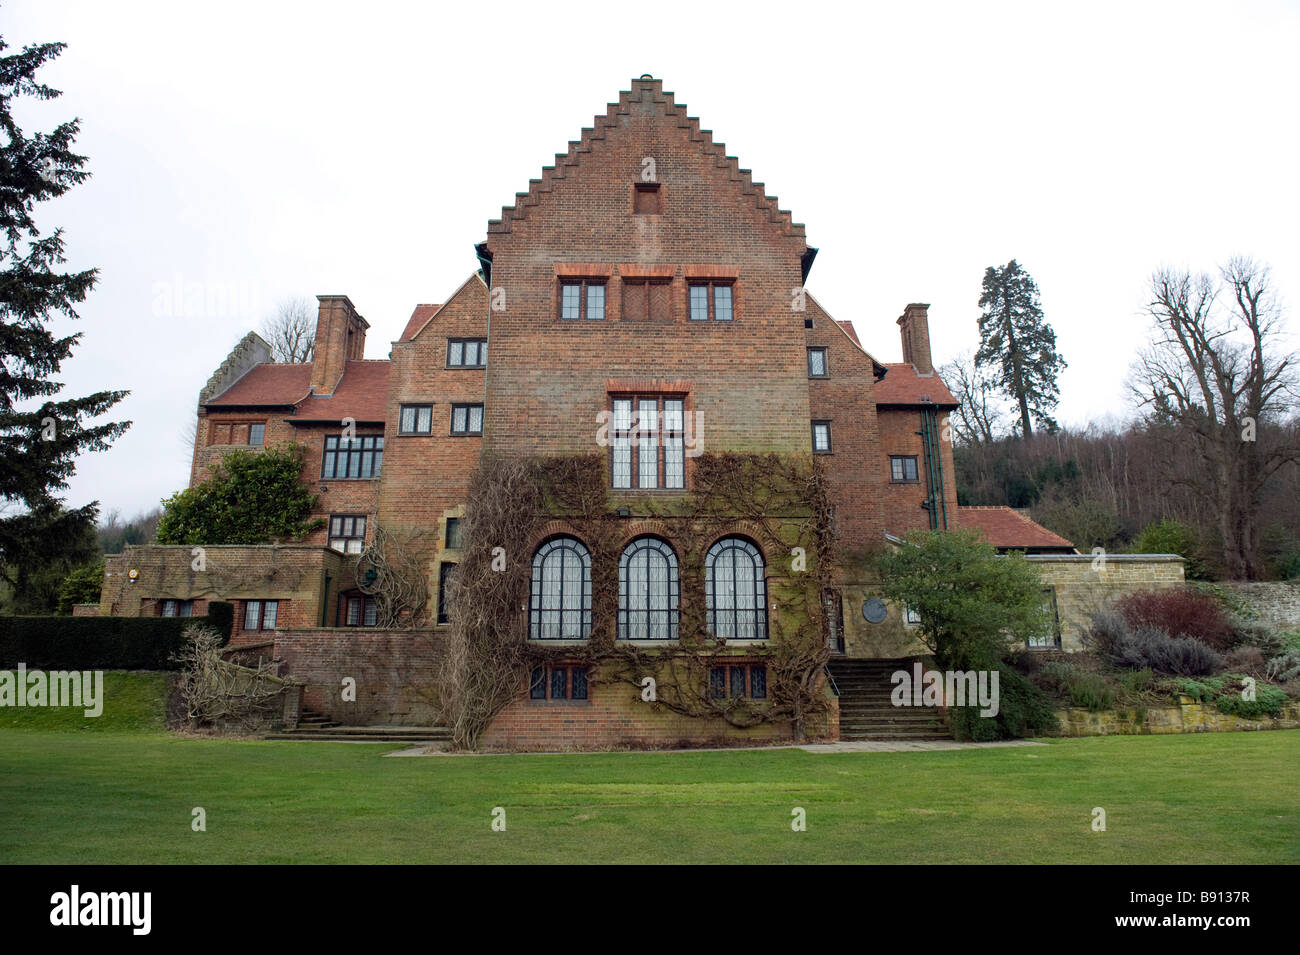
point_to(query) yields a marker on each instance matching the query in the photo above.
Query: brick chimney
(340, 337)
(914, 327)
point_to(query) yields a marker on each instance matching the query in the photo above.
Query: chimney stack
(340, 338)
(914, 327)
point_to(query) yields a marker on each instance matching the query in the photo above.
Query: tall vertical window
(561, 592)
(648, 591)
(358, 457)
(452, 540)
(257, 434)
(648, 446)
(1049, 639)
(445, 572)
(821, 437)
(817, 363)
(585, 299)
(735, 592)
(710, 300)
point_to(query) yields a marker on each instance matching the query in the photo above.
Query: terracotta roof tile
(362, 394)
(903, 386)
(1005, 527)
(267, 384)
(417, 321)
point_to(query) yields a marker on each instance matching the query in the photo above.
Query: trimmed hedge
(101, 643)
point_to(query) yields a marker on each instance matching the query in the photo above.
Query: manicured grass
(134, 700)
(96, 797)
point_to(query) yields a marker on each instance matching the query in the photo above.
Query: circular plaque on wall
(874, 610)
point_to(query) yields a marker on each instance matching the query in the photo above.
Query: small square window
(416, 419)
(647, 199)
(257, 434)
(911, 618)
(821, 437)
(902, 469)
(710, 300)
(585, 299)
(817, 363)
(467, 419)
(347, 533)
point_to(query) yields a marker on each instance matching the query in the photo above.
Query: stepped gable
(643, 89)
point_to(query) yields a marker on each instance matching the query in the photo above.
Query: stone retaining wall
(1184, 718)
(1278, 602)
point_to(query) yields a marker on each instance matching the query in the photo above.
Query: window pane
(909, 468)
(424, 419)
(256, 433)
(453, 533)
(722, 303)
(252, 614)
(169, 608)
(471, 353)
(718, 682)
(537, 684)
(571, 300)
(896, 469)
(737, 681)
(269, 612)
(821, 437)
(372, 613)
(186, 608)
(699, 303)
(458, 420)
(758, 682)
(648, 451)
(482, 352)
(407, 422)
(455, 353)
(476, 418)
(596, 301)
(817, 361)
(578, 689)
(354, 611)
(559, 683)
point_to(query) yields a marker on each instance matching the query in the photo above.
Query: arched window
(647, 591)
(561, 593)
(735, 592)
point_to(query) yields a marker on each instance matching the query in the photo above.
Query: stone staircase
(316, 726)
(866, 712)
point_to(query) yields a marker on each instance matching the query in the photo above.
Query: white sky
(267, 150)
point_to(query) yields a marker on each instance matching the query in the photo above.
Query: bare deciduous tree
(290, 331)
(1218, 370)
(982, 415)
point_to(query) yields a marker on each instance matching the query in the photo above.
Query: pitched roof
(903, 385)
(362, 394)
(1008, 528)
(646, 89)
(269, 383)
(417, 321)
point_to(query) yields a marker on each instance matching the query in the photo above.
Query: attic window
(647, 200)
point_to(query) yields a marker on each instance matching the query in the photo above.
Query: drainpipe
(935, 503)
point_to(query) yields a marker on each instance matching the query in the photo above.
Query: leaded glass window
(735, 590)
(648, 591)
(561, 591)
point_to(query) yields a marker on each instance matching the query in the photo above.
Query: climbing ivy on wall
(781, 501)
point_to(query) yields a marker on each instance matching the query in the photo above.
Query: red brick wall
(547, 377)
(393, 670)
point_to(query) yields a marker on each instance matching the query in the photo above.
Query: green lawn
(114, 794)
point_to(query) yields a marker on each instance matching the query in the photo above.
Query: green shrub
(1284, 668)
(1174, 537)
(1135, 681)
(221, 617)
(92, 643)
(1056, 675)
(1023, 710)
(81, 586)
(1089, 690)
(1202, 691)
(1267, 702)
